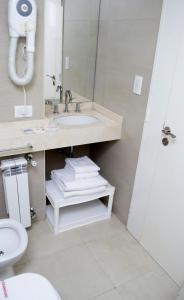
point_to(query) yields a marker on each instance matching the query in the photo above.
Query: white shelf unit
(68, 213)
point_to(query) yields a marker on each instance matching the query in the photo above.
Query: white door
(157, 211)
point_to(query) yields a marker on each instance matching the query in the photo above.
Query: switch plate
(24, 111)
(137, 89)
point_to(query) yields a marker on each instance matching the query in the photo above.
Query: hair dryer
(22, 16)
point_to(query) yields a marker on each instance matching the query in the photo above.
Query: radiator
(16, 189)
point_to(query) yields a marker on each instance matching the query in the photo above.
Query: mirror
(53, 35)
(81, 26)
(71, 27)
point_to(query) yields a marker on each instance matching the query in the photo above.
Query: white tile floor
(99, 261)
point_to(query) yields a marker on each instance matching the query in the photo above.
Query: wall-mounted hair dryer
(22, 16)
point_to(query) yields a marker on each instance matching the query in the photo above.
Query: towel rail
(28, 146)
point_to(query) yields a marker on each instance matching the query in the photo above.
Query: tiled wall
(127, 41)
(80, 44)
(11, 95)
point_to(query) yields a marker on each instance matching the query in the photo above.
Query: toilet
(28, 286)
(13, 244)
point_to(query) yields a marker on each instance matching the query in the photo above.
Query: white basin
(77, 120)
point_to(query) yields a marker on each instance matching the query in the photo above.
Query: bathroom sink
(76, 120)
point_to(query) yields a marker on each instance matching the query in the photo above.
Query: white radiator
(16, 188)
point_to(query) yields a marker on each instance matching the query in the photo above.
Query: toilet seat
(29, 286)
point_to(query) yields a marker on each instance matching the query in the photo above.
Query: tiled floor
(99, 261)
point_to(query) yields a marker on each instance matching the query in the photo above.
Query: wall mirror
(72, 27)
(53, 48)
(81, 25)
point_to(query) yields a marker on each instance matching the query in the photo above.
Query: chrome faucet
(60, 90)
(68, 99)
(53, 105)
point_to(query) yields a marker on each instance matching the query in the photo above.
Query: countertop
(47, 134)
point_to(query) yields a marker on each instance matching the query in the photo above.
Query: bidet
(13, 244)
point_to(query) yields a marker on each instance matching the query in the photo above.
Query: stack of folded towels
(79, 177)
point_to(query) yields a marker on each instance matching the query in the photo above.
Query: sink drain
(2, 253)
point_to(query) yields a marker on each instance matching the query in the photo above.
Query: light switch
(67, 63)
(137, 89)
(24, 111)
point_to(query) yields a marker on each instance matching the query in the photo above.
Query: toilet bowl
(13, 244)
(28, 286)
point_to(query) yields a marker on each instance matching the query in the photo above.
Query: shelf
(78, 215)
(55, 197)
(67, 213)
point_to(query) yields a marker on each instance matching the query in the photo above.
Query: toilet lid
(28, 286)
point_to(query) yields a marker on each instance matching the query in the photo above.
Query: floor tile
(103, 229)
(23, 259)
(110, 295)
(43, 242)
(88, 263)
(75, 273)
(122, 258)
(149, 287)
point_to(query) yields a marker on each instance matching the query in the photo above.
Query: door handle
(167, 131)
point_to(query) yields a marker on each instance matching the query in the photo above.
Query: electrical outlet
(24, 111)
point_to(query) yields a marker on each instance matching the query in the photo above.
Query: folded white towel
(82, 164)
(68, 184)
(75, 175)
(77, 193)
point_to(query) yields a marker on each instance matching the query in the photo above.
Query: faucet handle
(68, 94)
(78, 109)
